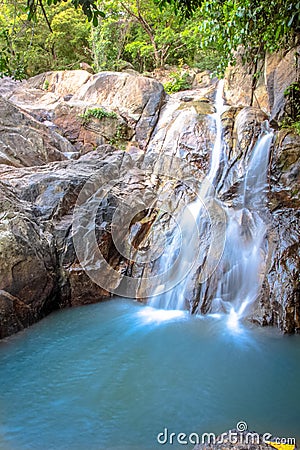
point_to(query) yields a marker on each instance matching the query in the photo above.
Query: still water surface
(114, 375)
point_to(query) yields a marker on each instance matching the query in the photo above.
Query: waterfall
(236, 282)
(218, 145)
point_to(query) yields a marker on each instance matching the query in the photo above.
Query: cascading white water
(186, 234)
(184, 237)
(238, 278)
(218, 145)
(235, 283)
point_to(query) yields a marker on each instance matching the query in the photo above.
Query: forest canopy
(41, 35)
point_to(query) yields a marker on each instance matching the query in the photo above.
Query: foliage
(292, 95)
(179, 82)
(296, 127)
(98, 113)
(207, 60)
(139, 35)
(182, 7)
(46, 85)
(70, 37)
(259, 26)
(132, 34)
(11, 61)
(119, 140)
(292, 108)
(89, 8)
(109, 39)
(28, 48)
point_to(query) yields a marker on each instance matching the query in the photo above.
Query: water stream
(114, 375)
(235, 283)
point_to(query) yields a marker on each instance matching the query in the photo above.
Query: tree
(89, 8)
(259, 25)
(140, 33)
(28, 47)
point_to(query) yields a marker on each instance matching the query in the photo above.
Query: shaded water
(115, 374)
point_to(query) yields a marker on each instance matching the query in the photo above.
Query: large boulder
(88, 132)
(46, 90)
(241, 129)
(60, 97)
(139, 99)
(52, 192)
(26, 142)
(27, 266)
(186, 128)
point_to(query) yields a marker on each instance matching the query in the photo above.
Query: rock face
(280, 302)
(185, 128)
(278, 72)
(137, 98)
(168, 142)
(39, 268)
(26, 142)
(27, 266)
(60, 97)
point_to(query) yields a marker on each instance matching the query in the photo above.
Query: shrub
(98, 113)
(179, 82)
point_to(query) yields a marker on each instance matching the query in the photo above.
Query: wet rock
(279, 304)
(280, 300)
(51, 192)
(202, 106)
(202, 79)
(285, 171)
(241, 129)
(186, 129)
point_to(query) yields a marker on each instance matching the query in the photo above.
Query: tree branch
(45, 15)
